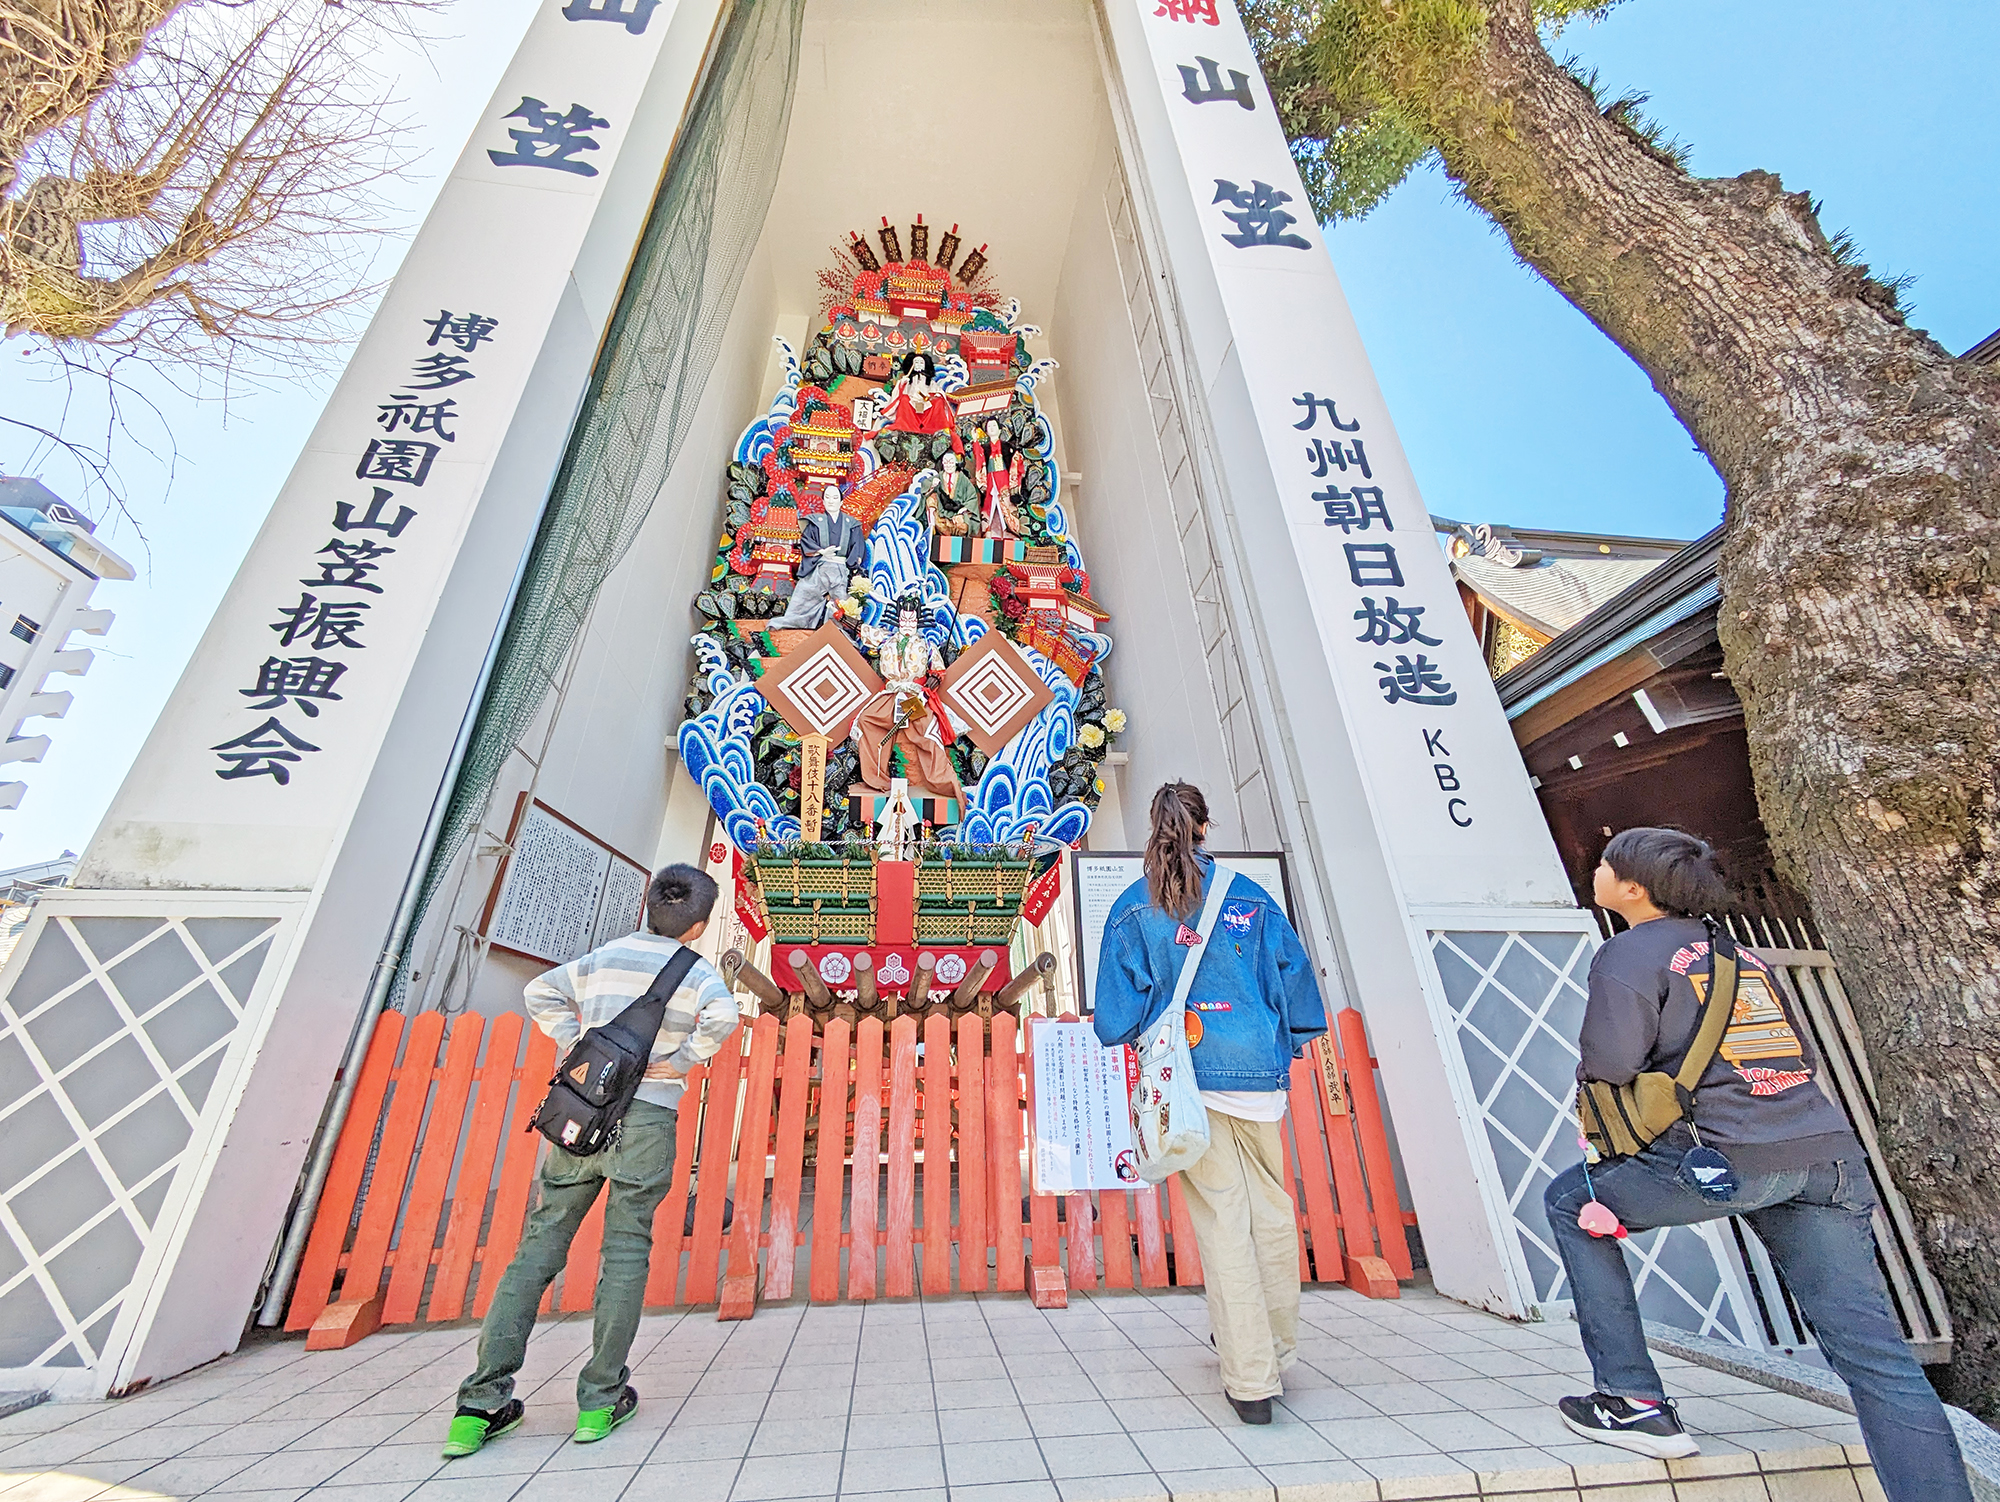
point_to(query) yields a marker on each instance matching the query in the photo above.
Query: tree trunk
(1858, 575)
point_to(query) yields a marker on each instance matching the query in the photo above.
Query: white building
(50, 562)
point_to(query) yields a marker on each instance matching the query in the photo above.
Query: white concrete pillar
(1428, 867)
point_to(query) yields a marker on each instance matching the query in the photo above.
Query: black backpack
(593, 1086)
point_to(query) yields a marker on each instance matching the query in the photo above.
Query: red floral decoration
(1007, 601)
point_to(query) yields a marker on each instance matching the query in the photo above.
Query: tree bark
(1858, 576)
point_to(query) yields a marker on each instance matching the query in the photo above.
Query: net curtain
(658, 354)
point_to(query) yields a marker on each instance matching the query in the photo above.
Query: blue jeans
(1815, 1223)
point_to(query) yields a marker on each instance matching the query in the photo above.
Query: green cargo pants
(638, 1169)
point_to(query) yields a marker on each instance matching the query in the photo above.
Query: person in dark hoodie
(1254, 1006)
(1800, 1176)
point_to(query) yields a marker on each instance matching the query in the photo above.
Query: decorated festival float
(898, 710)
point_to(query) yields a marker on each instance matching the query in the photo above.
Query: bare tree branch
(191, 192)
(192, 183)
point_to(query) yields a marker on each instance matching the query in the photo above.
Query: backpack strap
(643, 1018)
(1722, 972)
(1211, 908)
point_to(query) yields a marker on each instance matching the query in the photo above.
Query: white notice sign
(624, 903)
(1101, 879)
(563, 891)
(1083, 1116)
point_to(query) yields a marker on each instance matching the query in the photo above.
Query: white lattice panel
(113, 1034)
(1515, 1000)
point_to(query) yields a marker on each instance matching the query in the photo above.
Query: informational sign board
(1103, 875)
(1080, 1124)
(561, 891)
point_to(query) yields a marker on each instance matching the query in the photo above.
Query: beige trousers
(1247, 1231)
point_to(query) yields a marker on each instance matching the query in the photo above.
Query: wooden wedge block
(1372, 1276)
(1048, 1288)
(739, 1294)
(341, 1325)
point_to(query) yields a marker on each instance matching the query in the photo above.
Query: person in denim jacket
(1253, 1007)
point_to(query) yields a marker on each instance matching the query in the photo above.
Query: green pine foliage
(1345, 73)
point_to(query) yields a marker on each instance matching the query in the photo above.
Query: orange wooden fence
(434, 1171)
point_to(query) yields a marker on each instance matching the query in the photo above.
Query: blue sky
(1513, 408)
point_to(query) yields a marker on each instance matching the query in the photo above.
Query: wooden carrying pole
(1008, 995)
(809, 982)
(755, 981)
(812, 996)
(920, 983)
(967, 994)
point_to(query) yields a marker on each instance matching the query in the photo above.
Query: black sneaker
(1251, 1410)
(594, 1424)
(1644, 1428)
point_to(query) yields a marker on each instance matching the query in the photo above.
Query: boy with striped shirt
(565, 1003)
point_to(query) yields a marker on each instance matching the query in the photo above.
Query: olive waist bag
(1620, 1120)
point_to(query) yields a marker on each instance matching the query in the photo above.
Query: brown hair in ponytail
(1173, 876)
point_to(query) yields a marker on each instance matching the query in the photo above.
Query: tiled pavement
(983, 1399)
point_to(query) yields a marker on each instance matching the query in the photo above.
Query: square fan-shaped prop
(991, 692)
(820, 684)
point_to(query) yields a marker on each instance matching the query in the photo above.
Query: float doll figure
(906, 711)
(999, 479)
(833, 547)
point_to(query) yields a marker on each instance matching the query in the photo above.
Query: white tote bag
(1169, 1122)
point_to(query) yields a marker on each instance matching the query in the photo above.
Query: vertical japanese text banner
(1450, 790)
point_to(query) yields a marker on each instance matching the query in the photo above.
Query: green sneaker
(594, 1423)
(470, 1428)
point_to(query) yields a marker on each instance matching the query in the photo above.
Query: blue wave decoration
(899, 561)
(1013, 793)
(1044, 448)
(715, 751)
(758, 439)
(1034, 375)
